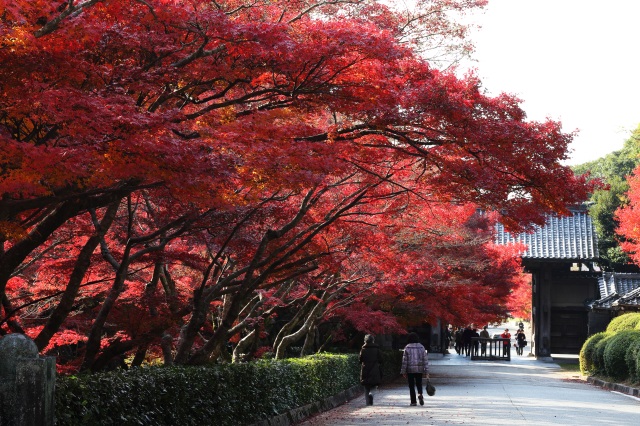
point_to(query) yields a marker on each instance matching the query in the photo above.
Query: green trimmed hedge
(632, 358)
(598, 354)
(615, 351)
(624, 322)
(226, 394)
(391, 364)
(587, 353)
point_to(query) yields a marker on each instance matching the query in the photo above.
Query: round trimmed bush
(598, 354)
(632, 358)
(587, 353)
(624, 322)
(615, 364)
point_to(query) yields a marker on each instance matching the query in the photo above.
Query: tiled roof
(618, 289)
(570, 237)
(631, 298)
(617, 283)
(605, 303)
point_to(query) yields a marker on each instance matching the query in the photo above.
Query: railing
(483, 348)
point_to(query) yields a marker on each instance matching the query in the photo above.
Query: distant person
(448, 336)
(521, 341)
(467, 333)
(458, 340)
(506, 344)
(415, 365)
(370, 367)
(483, 344)
(475, 343)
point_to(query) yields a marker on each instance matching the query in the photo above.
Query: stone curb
(298, 414)
(614, 386)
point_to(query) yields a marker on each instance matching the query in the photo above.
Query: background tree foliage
(613, 169)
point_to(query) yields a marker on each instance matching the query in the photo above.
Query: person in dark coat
(521, 341)
(466, 339)
(370, 366)
(458, 340)
(475, 344)
(483, 345)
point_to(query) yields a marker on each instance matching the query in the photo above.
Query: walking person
(521, 341)
(467, 333)
(370, 367)
(458, 340)
(483, 344)
(506, 345)
(415, 365)
(475, 343)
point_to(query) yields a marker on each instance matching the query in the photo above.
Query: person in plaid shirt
(415, 364)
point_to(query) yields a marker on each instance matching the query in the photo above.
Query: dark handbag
(431, 390)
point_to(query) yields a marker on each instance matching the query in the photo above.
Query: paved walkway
(524, 391)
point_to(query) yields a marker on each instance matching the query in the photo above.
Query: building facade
(560, 257)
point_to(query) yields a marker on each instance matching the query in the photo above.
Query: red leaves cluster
(175, 175)
(628, 217)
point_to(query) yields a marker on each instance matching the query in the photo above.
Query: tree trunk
(244, 344)
(310, 340)
(304, 329)
(61, 312)
(165, 344)
(293, 322)
(214, 347)
(95, 335)
(140, 355)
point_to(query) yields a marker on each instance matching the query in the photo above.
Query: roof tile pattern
(617, 289)
(631, 298)
(616, 283)
(570, 237)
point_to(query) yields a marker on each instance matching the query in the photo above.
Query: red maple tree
(628, 217)
(165, 163)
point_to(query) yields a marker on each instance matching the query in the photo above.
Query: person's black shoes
(421, 399)
(370, 399)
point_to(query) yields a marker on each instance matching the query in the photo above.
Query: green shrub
(228, 394)
(587, 353)
(615, 351)
(392, 362)
(635, 374)
(598, 354)
(632, 358)
(624, 322)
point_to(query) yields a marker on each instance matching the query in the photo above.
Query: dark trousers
(367, 390)
(415, 382)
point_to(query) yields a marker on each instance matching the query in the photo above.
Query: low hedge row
(614, 353)
(392, 361)
(227, 394)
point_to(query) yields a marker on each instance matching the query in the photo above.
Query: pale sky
(574, 61)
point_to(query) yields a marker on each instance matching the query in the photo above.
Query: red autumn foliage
(628, 217)
(177, 175)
